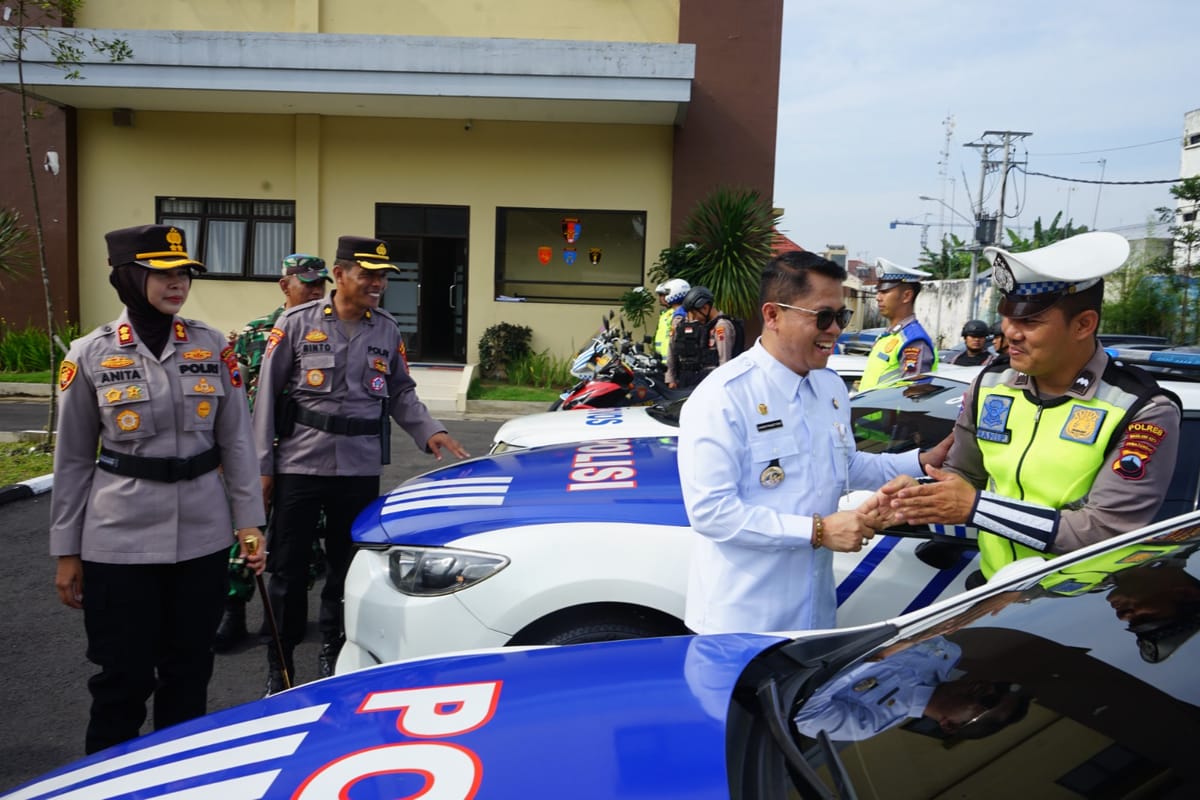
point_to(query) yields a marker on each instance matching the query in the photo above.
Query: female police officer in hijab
(141, 531)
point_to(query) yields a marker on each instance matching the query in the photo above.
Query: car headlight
(431, 571)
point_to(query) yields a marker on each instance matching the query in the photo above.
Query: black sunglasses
(826, 316)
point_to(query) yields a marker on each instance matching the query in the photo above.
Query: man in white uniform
(765, 451)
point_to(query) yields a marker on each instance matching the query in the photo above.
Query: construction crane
(924, 230)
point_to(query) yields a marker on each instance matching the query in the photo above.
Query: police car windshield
(667, 413)
(899, 418)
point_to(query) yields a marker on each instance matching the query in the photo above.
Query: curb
(29, 488)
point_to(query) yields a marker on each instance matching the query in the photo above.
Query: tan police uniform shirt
(337, 369)
(115, 392)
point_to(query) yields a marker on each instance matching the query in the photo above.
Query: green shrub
(541, 369)
(28, 350)
(636, 305)
(500, 346)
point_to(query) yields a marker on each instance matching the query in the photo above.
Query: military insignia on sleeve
(231, 364)
(1083, 425)
(129, 420)
(204, 387)
(273, 339)
(403, 353)
(197, 354)
(314, 377)
(911, 358)
(1140, 443)
(116, 362)
(113, 395)
(66, 374)
(125, 334)
(180, 332)
(380, 365)
(203, 409)
(315, 336)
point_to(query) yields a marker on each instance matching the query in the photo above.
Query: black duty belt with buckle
(332, 423)
(164, 470)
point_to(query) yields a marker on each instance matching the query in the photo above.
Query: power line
(1102, 183)
(1110, 149)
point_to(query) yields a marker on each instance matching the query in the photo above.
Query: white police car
(1068, 678)
(590, 540)
(536, 430)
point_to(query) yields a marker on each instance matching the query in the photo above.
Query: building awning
(373, 76)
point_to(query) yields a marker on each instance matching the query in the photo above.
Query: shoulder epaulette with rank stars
(181, 334)
(125, 336)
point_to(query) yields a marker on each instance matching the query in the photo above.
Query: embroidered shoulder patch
(66, 374)
(1083, 425)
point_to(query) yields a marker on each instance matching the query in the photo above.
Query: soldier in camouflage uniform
(304, 278)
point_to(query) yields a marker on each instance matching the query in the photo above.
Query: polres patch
(273, 339)
(1139, 445)
(66, 374)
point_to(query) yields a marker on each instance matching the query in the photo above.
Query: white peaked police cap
(889, 274)
(1035, 280)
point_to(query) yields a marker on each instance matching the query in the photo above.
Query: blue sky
(865, 86)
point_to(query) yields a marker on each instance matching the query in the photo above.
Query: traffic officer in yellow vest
(142, 529)
(905, 350)
(1057, 446)
(333, 374)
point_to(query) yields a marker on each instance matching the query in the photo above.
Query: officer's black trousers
(150, 629)
(297, 504)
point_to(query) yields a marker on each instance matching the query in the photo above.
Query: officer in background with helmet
(670, 295)
(999, 342)
(333, 374)
(707, 339)
(905, 350)
(1059, 445)
(974, 335)
(141, 532)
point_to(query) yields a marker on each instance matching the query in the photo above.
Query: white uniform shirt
(754, 568)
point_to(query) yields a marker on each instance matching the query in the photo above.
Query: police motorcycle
(615, 371)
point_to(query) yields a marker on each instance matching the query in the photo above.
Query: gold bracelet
(818, 531)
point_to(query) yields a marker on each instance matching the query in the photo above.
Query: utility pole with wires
(990, 230)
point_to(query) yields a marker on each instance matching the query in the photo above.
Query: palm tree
(14, 243)
(732, 231)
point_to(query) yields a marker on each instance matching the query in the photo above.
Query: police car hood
(606, 481)
(642, 718)
(557, 427)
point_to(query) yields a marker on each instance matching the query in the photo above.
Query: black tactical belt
(164, 470)
(332, 423)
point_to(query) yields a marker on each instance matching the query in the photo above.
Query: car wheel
(556, 405)
(604, 631)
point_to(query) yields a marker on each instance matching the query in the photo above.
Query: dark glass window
(568, 255)
(233, 238)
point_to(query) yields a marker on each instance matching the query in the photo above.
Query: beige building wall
(585, 20)
(337, 169)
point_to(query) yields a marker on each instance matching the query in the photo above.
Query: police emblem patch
(273, 339)
(1083, 425)
(315, 336)
(113, 395)
(116, 362)
(1002, 274)
(890, 343)
(993, 421)
(762, 408)
(314, 377)
(203, 409)
(204, 387)
(66, 374)
(197, 354)
(129, 420)
(1140, 443)
(133, 392)
(377, 383)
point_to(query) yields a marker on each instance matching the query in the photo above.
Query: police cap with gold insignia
(366, 252)
(309, 269)
(1033, 281)
(150, 246)
(891, 275)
